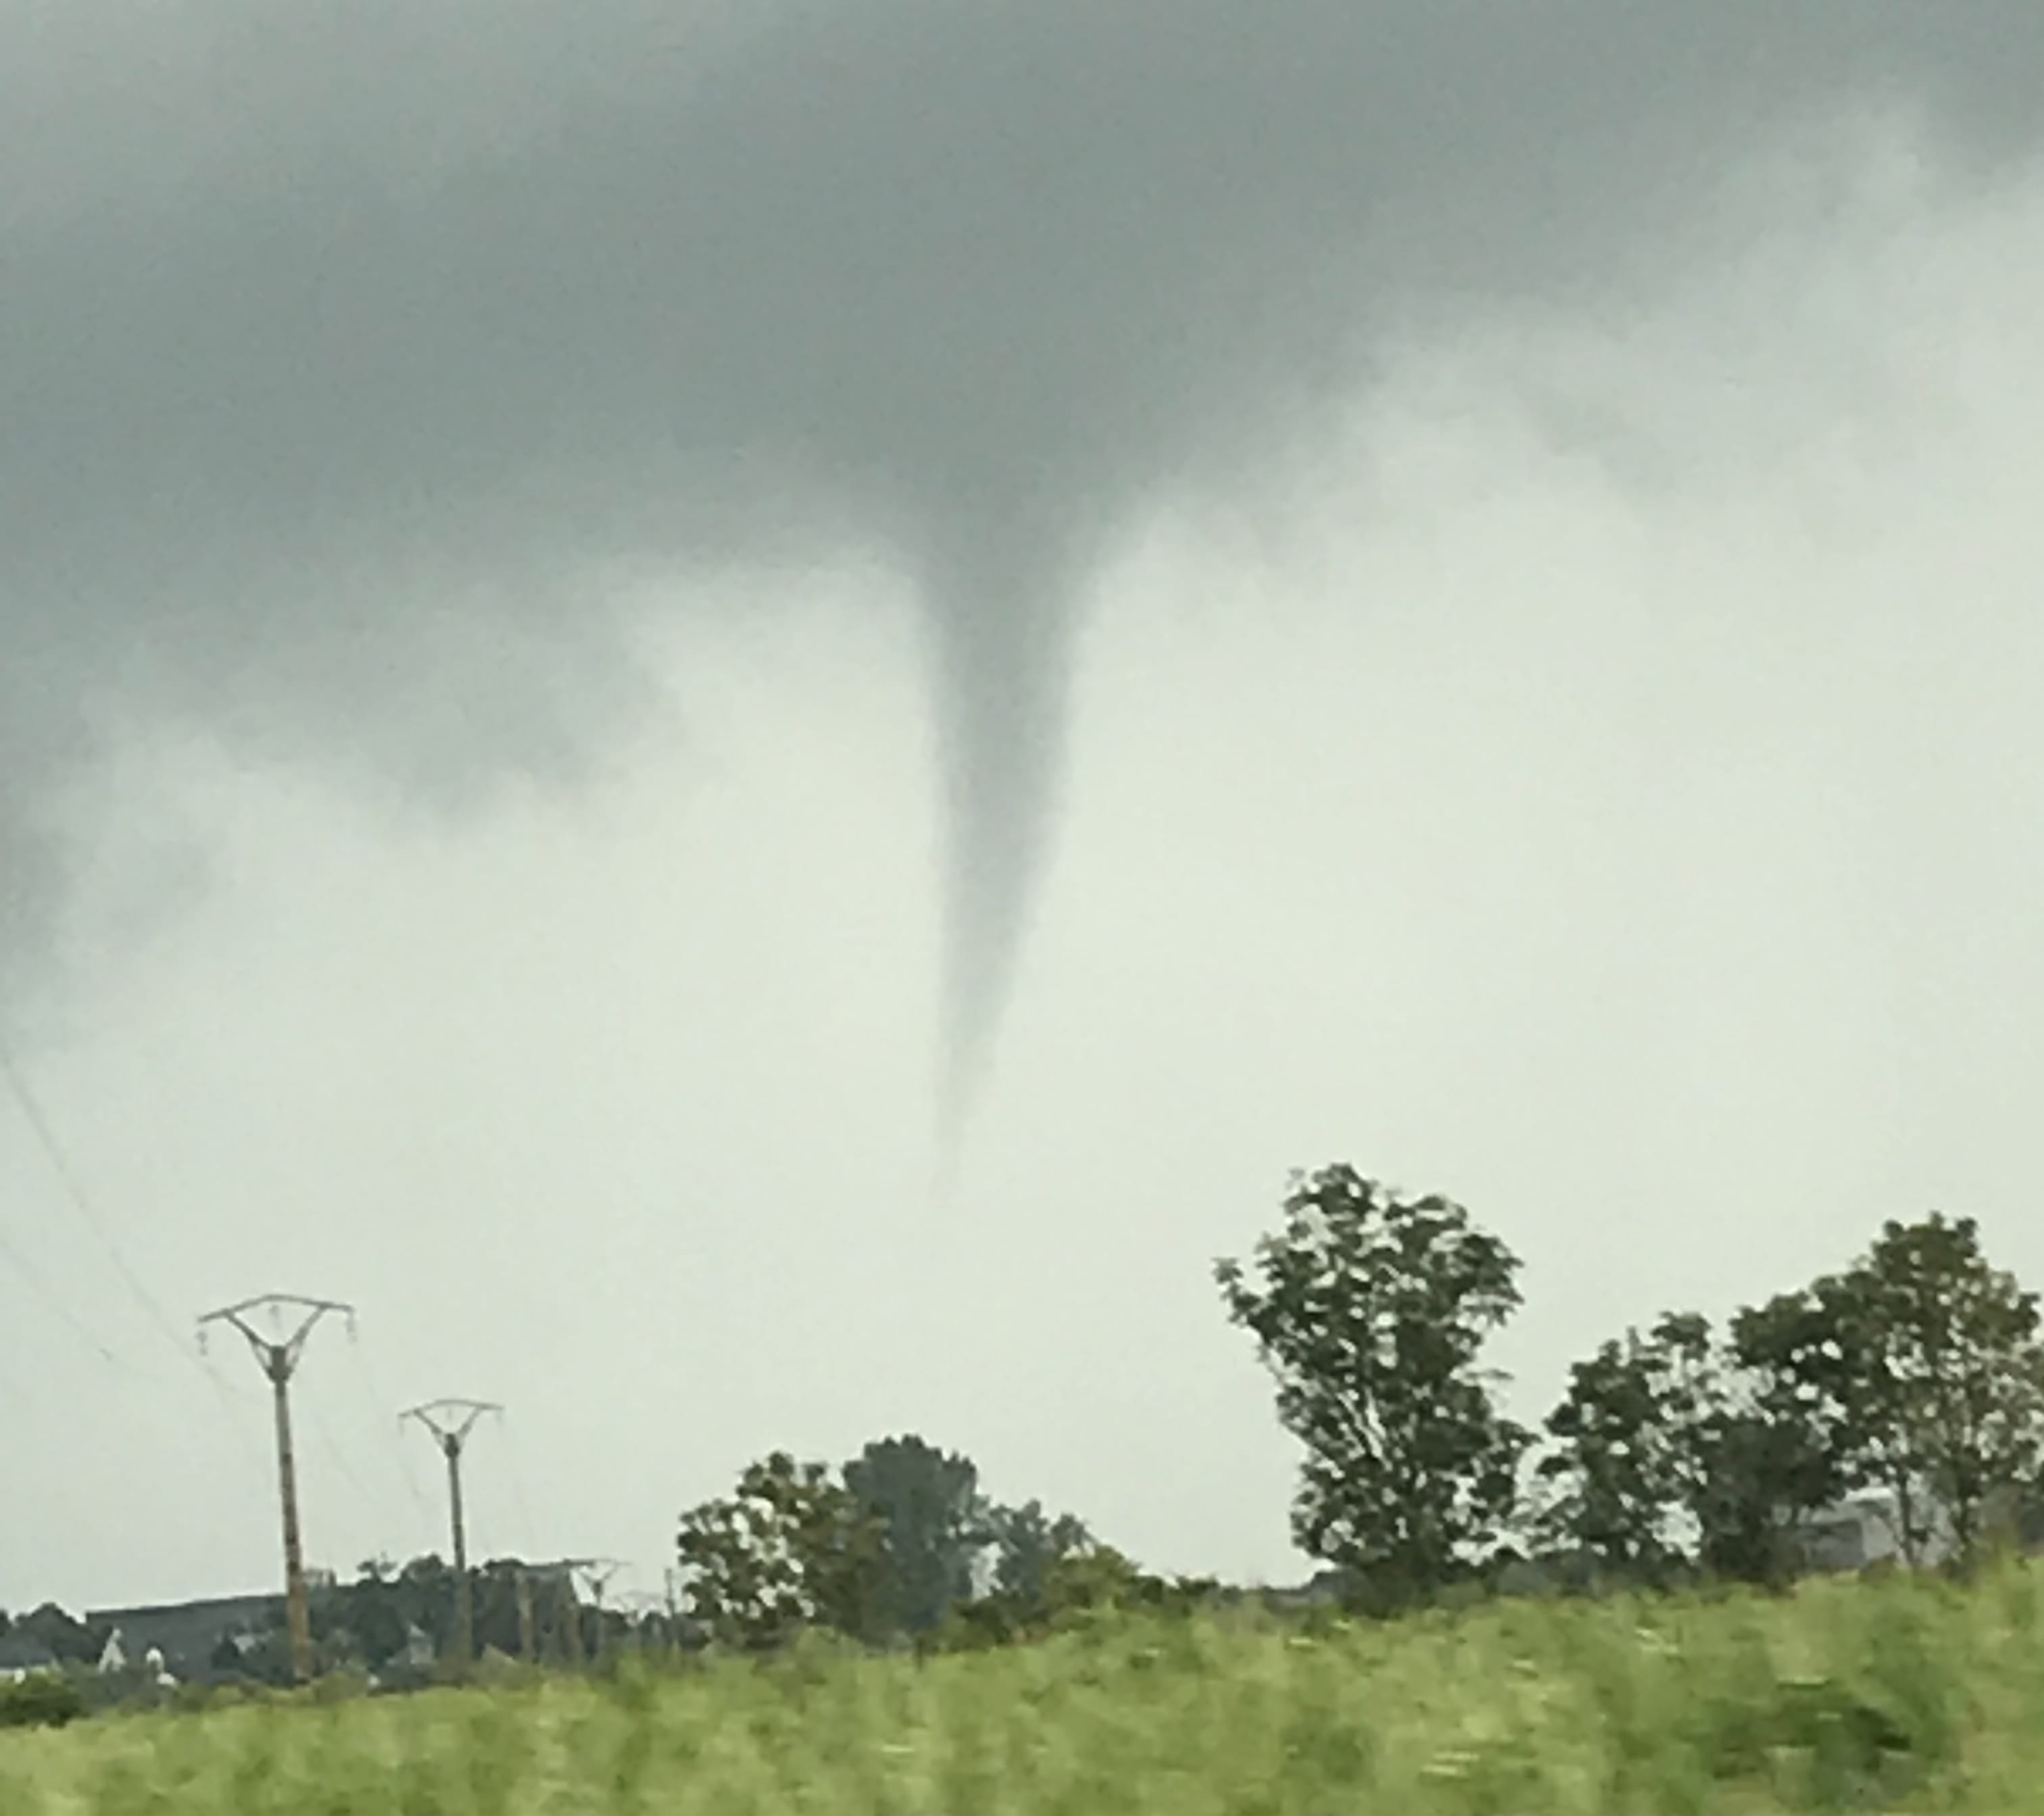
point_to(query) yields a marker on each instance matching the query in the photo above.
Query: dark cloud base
(321, 441)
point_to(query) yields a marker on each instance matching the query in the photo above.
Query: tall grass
(1905, 1694)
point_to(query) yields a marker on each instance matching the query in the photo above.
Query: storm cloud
(345, 361)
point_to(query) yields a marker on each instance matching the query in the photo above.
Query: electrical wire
(81, 1202)
(228, 1397)
(338, 1458)
(18, 1259)
(372, 1384)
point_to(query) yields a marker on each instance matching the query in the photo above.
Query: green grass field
(1900, 1694)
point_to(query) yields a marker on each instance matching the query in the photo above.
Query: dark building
(22, 1653)
(189, 1635)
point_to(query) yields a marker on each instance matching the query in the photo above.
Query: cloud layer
(342, 367)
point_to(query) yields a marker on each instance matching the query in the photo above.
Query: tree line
(1690, 1451)
(899, 1547)
(1686, 1452)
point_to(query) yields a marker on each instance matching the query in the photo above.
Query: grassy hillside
(1900, 1694)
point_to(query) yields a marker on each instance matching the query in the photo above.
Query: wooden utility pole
(450, 1421)
(278, 1357)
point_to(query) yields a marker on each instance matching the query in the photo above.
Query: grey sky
(392, 415)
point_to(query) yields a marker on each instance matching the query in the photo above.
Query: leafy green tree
(1680, 1450)
(1027, 1542)
(1100, 1576)
(1943, 1372)
(1371, 1312)
(1043, 1568)
(41, 1700)
(1623, 1465)
(791, 1548)
(1781, 1446)
(1751, 1515)
(742, 1586)
(1081, 1580)
(935, 1522)
(1917, 1371)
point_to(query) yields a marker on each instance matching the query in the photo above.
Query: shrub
(43, 1700)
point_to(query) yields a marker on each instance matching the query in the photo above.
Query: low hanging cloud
(342, 354)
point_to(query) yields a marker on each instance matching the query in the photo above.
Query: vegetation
(1615, 1612)
(932, 1523)
(1372, 1311)
(790, 1548)
(1916, 1373)
(887, 1551)
(1906, 1693)
(377, 1622)
(40, 1701)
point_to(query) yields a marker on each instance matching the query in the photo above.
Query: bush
(340, 1686)
(44, 1700)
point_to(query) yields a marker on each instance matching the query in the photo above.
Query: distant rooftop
(188, 1633)
(24, 1651)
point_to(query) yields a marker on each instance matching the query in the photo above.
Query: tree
(934, 1520)
(1028, 1543)
(1674, 1452)
(42, 1700)
(1917, 1371)
(1626, 1435)
(1751, 1512)
(1087, 1577)
(1043, 1568)
(371, 1620)
(791, 1548)
(1371, 1311)
(1780, 1445)
(1943, 1371)
(65, 1637)
(1098, 1576)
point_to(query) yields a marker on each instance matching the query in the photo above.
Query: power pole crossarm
(292, 1319)
(450, 1421)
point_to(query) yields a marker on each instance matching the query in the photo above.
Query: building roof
(24, 1651)
(188, 1633)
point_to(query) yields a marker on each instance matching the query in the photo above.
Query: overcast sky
(627, 627)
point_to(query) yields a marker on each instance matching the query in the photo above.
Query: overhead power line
(32, 1275)
(80, 1200)
(369, 1379)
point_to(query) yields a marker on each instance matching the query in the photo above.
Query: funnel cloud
(339, 358)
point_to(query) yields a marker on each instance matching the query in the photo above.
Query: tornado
(999, 608)
(340, 372)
